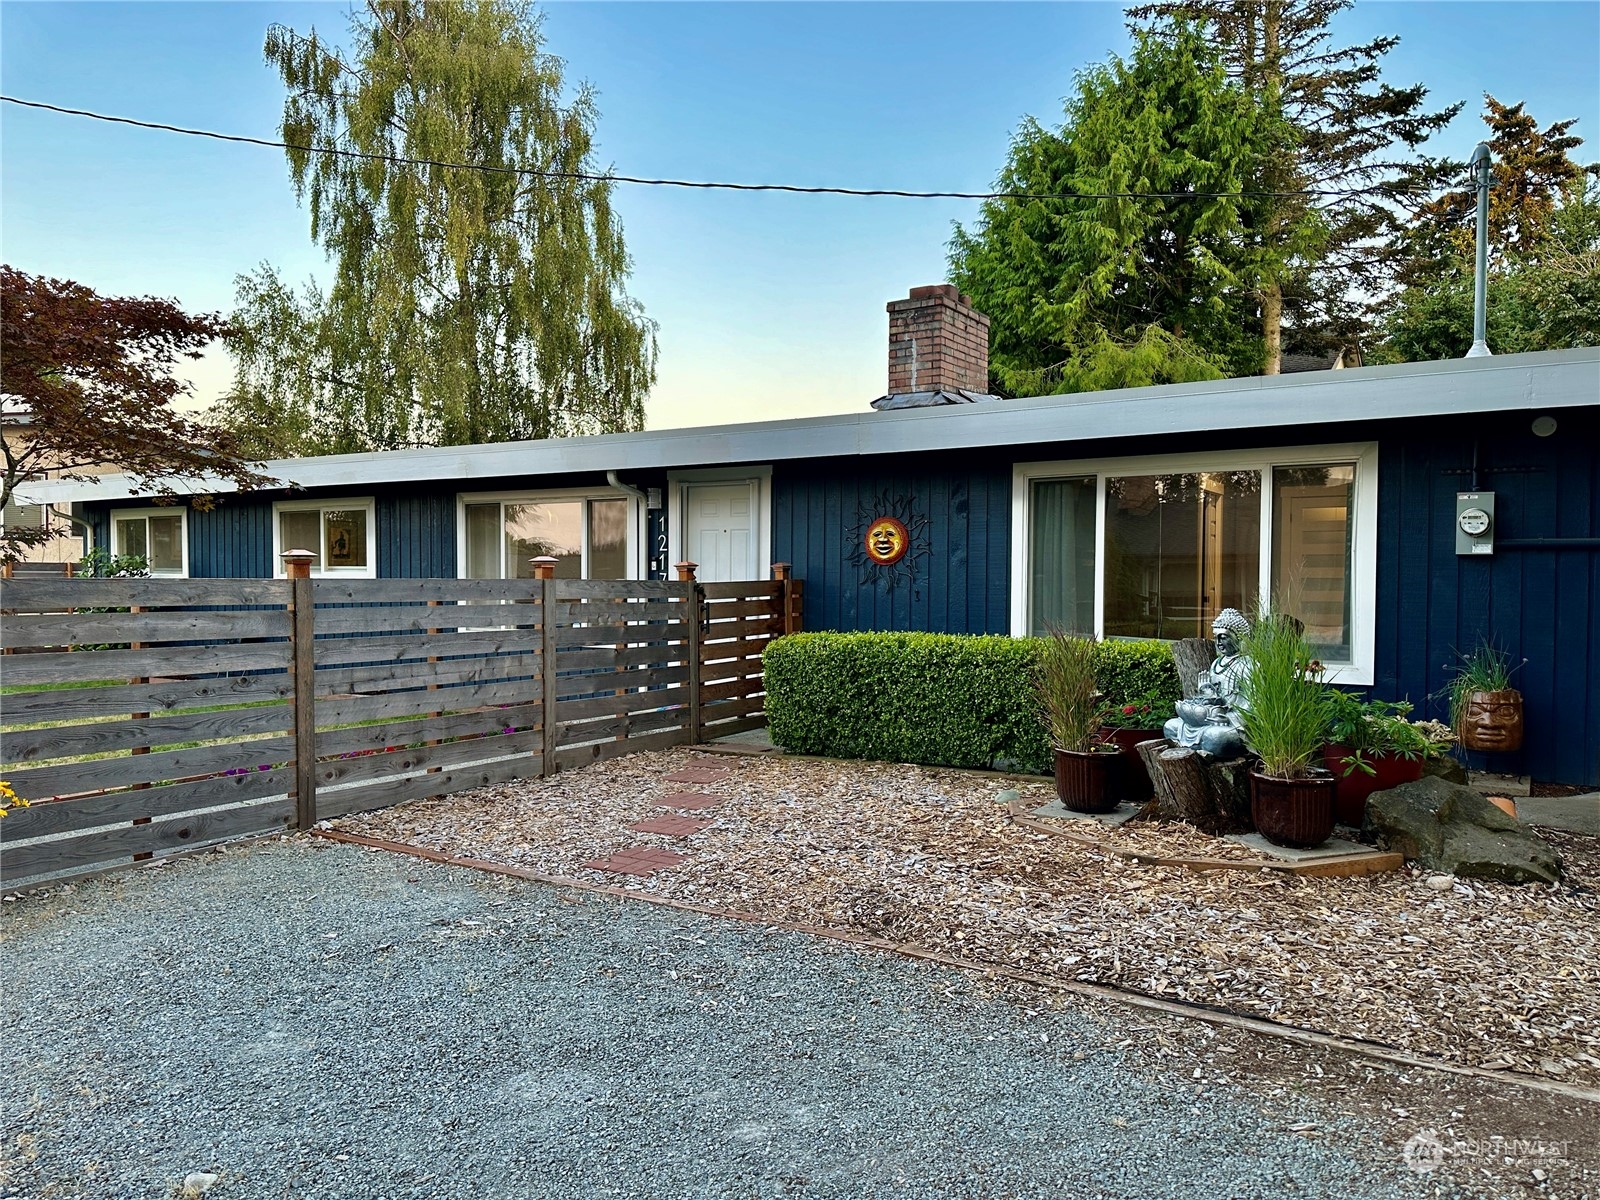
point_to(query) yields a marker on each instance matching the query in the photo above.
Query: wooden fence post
(783, 573)
(692, 627)
(303, 674)
(139, 716)
(544, 570)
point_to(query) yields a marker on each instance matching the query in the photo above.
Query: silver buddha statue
(1209, 720)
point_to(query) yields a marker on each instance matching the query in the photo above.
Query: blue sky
(769, 305)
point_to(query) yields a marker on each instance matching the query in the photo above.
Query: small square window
(157, 536)
(338, 533)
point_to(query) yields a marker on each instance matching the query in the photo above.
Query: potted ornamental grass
(1125, 726)
(1088, 770)
(1485, 710)
(1284, 719)
(1372, 747)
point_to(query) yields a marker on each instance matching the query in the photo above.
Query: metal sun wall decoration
(888, 541)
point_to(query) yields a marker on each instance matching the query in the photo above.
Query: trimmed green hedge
(940, 699)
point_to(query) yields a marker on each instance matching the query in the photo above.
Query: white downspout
(641, 562)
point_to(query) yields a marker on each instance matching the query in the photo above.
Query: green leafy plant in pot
(1284, 719)
(1371, 747)
(1088, 771)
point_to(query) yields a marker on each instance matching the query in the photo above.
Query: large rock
(1445, 768)
(1451, 828)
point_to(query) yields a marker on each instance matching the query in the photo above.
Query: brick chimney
(937, 343)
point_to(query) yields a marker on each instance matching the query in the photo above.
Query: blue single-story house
(1403, 512)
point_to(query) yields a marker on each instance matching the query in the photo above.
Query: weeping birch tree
(482, 302)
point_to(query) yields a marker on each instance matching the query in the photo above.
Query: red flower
(1128, 710)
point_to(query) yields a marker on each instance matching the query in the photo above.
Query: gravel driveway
(315, 1020)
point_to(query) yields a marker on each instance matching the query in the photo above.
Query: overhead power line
(598, 177)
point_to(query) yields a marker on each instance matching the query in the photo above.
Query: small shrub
(1137, 673)
(100, 563)
(938, 699)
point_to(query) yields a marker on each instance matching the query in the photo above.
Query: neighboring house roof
(1547, 380)
(1295, 364)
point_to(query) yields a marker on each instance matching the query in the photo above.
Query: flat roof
(1546, 380)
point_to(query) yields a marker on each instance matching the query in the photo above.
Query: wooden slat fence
(145, 717)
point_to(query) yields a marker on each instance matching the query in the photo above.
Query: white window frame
(759, 480)
(1364, 542)
(635, 553)
(182, 513)
(319, 567)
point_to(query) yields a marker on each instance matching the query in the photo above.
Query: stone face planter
(1350, 798)
(1293, 812)
(1492, 721)
(1089, 782)
(1136, 785)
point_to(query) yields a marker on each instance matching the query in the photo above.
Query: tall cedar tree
(466, 305)
(1348, 131)
(1123, 290)
(90, 379)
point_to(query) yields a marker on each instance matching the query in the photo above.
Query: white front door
(719, 531)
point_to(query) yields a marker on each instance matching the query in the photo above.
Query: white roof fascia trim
(1546, 380)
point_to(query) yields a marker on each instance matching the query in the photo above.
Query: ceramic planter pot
(1297, 813)
(1492, 721)
(1350, 798)
(1136, 785)
(1089, 782)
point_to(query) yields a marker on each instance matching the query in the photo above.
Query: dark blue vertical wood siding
(1542, 604)
(233, 540)
(417, 535)
(963, 581)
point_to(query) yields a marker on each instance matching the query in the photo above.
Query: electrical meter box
(1474, 522)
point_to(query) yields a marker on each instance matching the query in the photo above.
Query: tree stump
(1212, 796)
(1192, 656)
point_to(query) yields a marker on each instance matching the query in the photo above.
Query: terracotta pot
(1089, 782)
(1350, 800)
(1505, 804)
(1136, 785)
(1493, 721)
(1293, 812)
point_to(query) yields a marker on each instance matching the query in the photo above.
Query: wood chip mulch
(1483, 974)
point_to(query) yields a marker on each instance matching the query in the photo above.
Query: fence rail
(144, 717)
